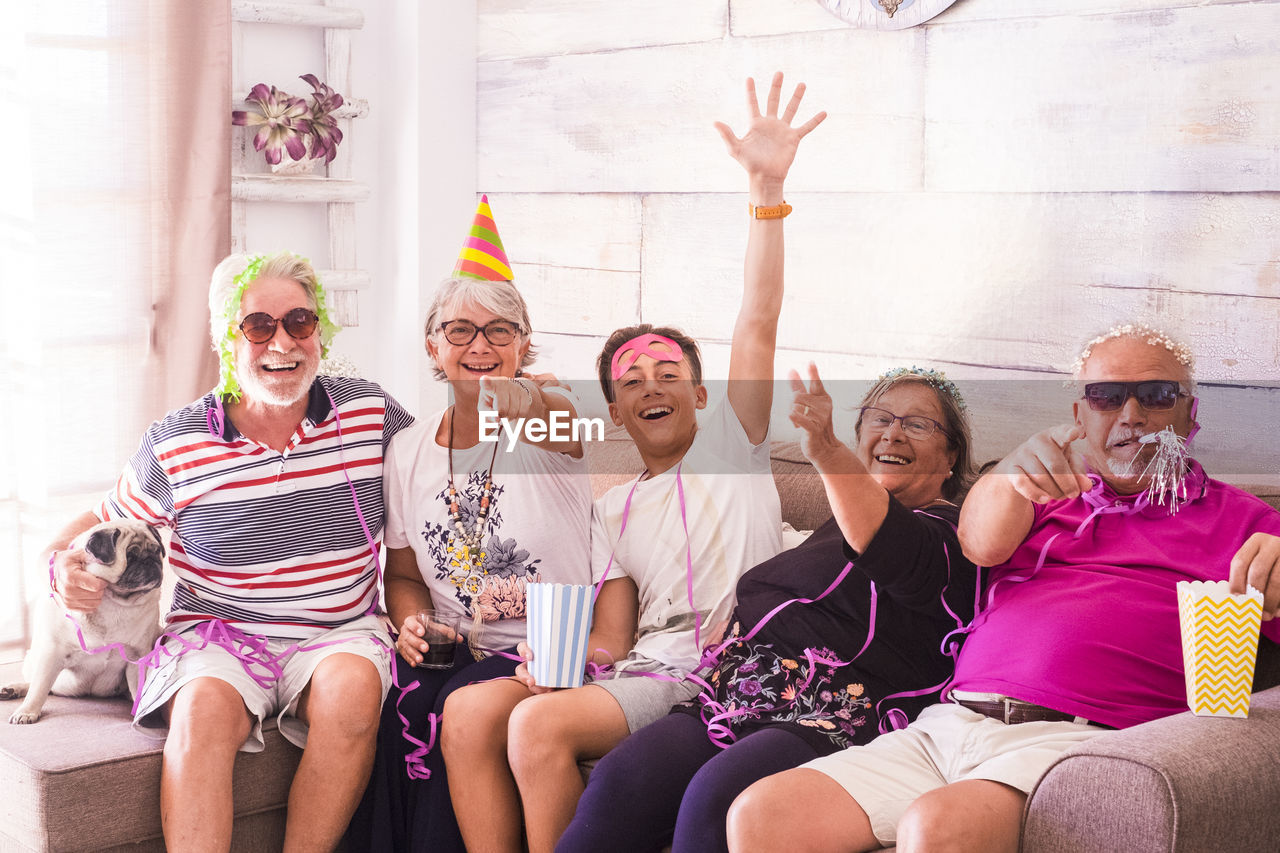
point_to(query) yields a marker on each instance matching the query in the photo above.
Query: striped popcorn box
(1219, 646)
(559, 621)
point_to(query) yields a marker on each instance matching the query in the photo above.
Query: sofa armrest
(1183, 783)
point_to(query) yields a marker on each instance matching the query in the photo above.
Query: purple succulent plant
(322, 125)
(286, 124)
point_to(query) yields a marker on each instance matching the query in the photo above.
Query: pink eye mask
(625, 356)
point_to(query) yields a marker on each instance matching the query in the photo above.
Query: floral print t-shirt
(537, 529)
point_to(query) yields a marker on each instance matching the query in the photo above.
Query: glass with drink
(441, 636)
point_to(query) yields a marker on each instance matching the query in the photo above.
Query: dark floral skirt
(755, 685)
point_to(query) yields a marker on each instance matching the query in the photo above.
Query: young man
(703, 512)
(1080, 633)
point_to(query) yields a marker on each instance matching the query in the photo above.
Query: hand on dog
(74, 588)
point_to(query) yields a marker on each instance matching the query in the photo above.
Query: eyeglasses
(260, 327)
(915, 426)
(497, 332)
(1155, 395)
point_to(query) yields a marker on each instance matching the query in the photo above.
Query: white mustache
(1124, 434)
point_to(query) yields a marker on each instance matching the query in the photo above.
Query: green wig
(223, 327)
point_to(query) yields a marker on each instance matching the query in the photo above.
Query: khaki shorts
(281, 698)
(947, 743)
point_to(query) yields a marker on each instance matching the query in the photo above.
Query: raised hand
(811, 412)
(769, 146)
(1044, 467)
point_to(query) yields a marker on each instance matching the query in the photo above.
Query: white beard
(288, 388)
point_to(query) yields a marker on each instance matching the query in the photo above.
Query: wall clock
(884, 14)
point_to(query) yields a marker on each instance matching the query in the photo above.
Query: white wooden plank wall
(991, 188)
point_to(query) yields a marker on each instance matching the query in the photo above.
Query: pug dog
(129, 555)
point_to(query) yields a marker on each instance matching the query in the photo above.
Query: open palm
(769, 145)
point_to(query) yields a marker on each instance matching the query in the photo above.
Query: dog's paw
(13, 691)
(21, 719)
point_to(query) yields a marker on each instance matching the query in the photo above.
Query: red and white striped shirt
(269, 542)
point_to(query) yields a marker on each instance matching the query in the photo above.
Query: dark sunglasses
(1157, 395)
(260, 327)
(497, 332)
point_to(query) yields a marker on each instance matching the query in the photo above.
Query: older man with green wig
(271, 487)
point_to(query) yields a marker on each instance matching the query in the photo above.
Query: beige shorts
(947, 743)
(366, 637)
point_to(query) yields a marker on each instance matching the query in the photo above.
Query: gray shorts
(366, 637)
(646, 690)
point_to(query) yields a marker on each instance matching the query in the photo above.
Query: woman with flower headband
(831, 642)
(470, 520)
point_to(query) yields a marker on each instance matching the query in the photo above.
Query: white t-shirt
(734, 522)
(539, 521)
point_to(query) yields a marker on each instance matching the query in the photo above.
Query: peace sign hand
(811, 411)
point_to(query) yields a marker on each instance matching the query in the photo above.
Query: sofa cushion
(616, 461)
(82, 778)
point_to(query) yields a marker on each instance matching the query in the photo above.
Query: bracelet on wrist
(774, 211)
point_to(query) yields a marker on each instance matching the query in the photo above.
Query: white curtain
(114, 209)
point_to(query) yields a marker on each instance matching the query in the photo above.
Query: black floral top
(803, 670)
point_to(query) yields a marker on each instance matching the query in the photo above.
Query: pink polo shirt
(1094, 631)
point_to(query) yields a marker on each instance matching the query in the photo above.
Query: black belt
(1014, 711)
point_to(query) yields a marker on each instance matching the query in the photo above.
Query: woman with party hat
(470, 521)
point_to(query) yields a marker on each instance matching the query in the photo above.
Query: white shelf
(255, 12)
(351, 108)
(344, 279)
(296, 189)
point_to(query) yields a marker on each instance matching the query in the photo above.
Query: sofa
(83, 779)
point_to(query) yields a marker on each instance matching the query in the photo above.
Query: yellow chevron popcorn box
(1219, 646)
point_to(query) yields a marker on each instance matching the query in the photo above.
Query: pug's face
(129, 555)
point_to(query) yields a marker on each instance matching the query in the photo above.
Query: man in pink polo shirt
(1080, 629)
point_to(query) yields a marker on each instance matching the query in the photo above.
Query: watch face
(884, 14)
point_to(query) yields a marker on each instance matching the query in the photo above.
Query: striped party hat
(482, 255)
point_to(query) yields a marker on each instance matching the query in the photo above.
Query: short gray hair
(224, 285)
(499, 298)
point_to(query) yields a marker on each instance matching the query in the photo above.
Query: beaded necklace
(471, 557)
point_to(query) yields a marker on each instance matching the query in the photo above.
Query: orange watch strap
(777, 211)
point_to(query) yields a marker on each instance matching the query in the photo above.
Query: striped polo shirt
(269, 542)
